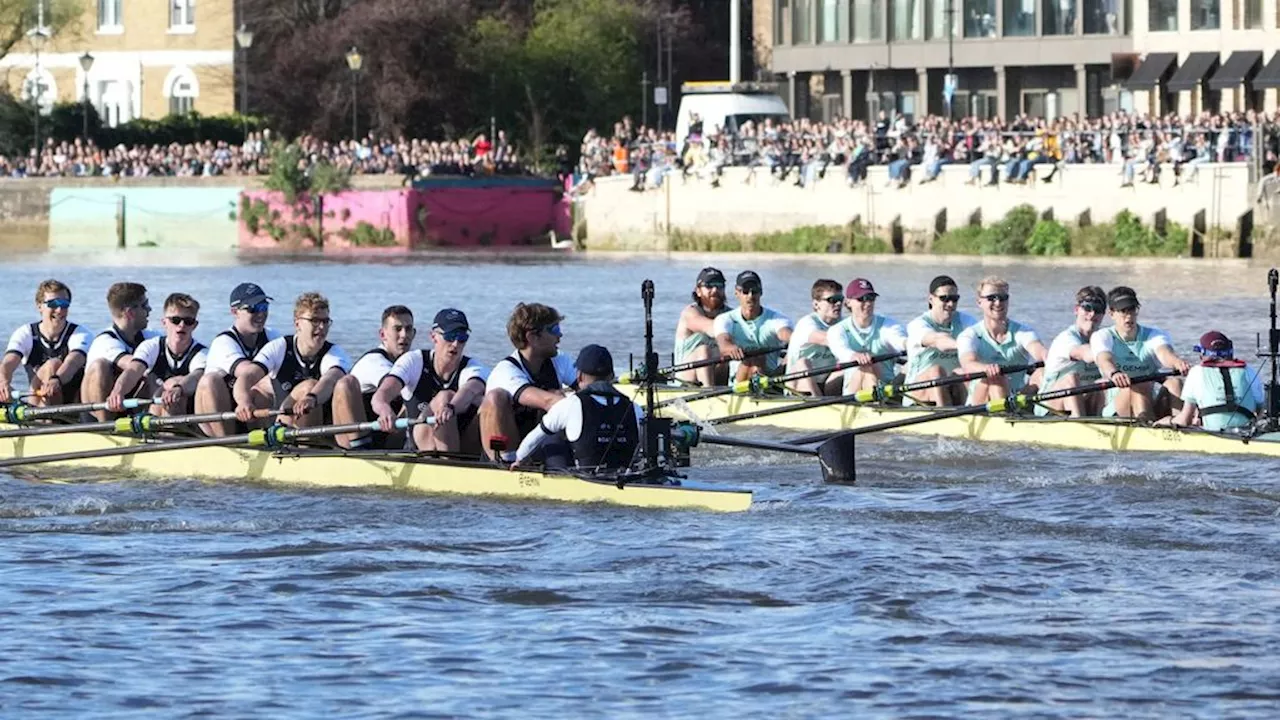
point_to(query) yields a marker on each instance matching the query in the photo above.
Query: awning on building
(1194, 69)
(1152, 71)
(1238, 69)
(1270, 75)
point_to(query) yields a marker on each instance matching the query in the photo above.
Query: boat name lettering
(528, 480)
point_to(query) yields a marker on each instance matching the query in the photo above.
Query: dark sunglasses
(553, 330)
(996, 297)
(1093, 307)
(834, 299)
(455, 336)
(948, 298)
(868, 298)
(179, 320)
(57, 303)
(713, 285)
(751, 290)
(256, 309)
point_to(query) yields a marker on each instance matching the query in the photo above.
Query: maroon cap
(859, 287)
(1214, 342)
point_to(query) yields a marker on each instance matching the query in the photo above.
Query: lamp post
(38, 35)
(86, 64)
(244, 38)
(949, 85)
(355, 61)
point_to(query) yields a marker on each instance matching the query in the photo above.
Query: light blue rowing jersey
(755, 334)
(883, 336)
(1058, 364)
(1013, 350)
(1133, 357)
(920, 357)
(1207, 388)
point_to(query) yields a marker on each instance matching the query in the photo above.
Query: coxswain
(600, 425)
(172, 364)
(395, 338)
(862, 335)
(52, 350)
(808, 347)
(230, 352)
(444, 383)
(695, 339)
(749, 327)
(1221, 393)
(112, 351)
(305, 369)
(527, 383)
(931, 344)
(1070, 362)
(998, 340)
(1127, 349)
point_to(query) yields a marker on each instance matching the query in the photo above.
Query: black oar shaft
(693, 365)
(745, 387)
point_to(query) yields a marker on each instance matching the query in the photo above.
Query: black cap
(748, 278)
(247, 295)
(710, 275)
(595, 360)
(450, 319)
(1123, 298)
(941, 281)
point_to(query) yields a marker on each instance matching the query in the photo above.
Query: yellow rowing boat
(1090, 434)
(301, 467)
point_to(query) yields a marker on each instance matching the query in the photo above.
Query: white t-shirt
(224, 351)
(272, 357)
(800, 348)
(565, 416)
(370, 369)
(512, 376)
(149, 351)
(409, 366)
(1059, 357)
(22, 340)
(108, 346)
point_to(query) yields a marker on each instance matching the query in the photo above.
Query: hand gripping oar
(16, 413)
(882, 392)
(835, 456)
(639, 374)
(1005, 405)
(760, 383)
(274, 437)
(134, 424)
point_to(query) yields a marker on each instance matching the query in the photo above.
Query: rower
(1221, 393)
(444, 383)
(527, 383)
(305, 369)
(998, 340)
(1070, 361)
(931, 343)
(599, 424)
(112, 351)
(172, 364)
(51, 350)
(808, 346)
(695, 339)
(230, 352)
(395, 338)
(1128, 349)
(862, 335)
(751, 326)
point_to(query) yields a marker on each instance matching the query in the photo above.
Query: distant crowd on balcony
(368, 156)
(802, 151)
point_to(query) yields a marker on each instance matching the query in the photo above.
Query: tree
(18, 17)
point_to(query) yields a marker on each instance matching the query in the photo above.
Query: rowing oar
(1004, 405)
(21, 412)
(134, 424)
(274, 437)
(638, 375)
(863, 396)
(835, 456)
(760, 383)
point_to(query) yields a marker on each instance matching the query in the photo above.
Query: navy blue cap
(595, 360)
(450, 319)
(710, 275)
(748, 278)
(247, 294)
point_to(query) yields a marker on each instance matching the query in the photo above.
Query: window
(1205, 15)
(1019, 18)
(800, 21)
(1252, 14)
(866, 20)
(906, 19)
(1059, 17)
(1101, 17)
(182, 13)
(980, 104)
(182, 89)
(1162, 15)
(782, 22)
(936, 16)
(834, 21)
(980, 18)
(109, 15)
(40, 88)
(1041, 104)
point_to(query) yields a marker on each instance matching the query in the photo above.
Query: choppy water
(956, 580)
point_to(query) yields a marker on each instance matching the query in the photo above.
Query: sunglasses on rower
(459, 336)
(834, 299)
(57, 303)
(180, 320)
(996, 297)
(949, 298)
(256, 308)
(553, 330)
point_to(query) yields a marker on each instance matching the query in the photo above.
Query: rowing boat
(1084, 434)
(301, 467)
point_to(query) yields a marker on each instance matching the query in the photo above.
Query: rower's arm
(553, 422)
(8, 366)
(1106, 364)
(540, 399)
(725, 342)
(248, 374)
(129, 378)
(784, 335)
(938, 341)
(1083, 353)
(72, 365)
(1169, 358)
(695, 322)
(190, 382)
(323, 389)
(471, 393)
(386, 394)
(970, 363)
(1037, 351)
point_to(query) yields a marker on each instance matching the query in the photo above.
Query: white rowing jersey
(112, 344)
(800, 348)
(883, 335)
(34, 349)
(371, 367)
(920, 357)
(1058, 363)
(287, 367)
(757, 333)
(228, 349)
(154, 355)
(417, 371)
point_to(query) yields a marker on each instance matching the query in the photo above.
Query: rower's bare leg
(497, 417)
(833, 384)
(704, 376)
(99, 378)
(939, 396)
(807, 386)
(1135, 402)
(43, 375)
(1034, 383)
(213, 396)
(1073, 404)
(312, 418)
(348, 407)
(439, 438)
(1170, 400)
(856, 379)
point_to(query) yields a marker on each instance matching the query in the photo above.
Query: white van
(727, 106)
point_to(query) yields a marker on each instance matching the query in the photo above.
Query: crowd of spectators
(1016, 151)
(369, 156)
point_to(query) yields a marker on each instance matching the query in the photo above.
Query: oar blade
(835, 456)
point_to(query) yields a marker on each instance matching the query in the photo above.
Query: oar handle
(639, 374)
(759, 383)
(22, 412)
(889, 391)
(1025, 402)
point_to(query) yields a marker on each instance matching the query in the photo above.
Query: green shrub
(965, 240)
(1009, 236)
(1049, 237)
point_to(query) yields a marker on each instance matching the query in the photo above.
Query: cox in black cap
(595, 360)
(450, 320)
(748, 279)
(248, 295)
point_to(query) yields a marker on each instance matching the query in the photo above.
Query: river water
(956, 580)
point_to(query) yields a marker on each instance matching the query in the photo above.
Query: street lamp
(38, 36)
(86, 64)
(355, 61)
(244, 38)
